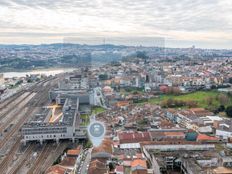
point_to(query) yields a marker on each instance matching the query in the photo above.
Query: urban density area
(115, 86)
(164, 116)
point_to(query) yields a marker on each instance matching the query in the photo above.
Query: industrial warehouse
(61, 119)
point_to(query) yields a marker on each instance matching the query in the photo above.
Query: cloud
(189, 20)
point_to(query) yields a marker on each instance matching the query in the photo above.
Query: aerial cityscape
(109, 87)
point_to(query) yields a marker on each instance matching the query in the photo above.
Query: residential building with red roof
(133, 137)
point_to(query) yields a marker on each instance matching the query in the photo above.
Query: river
(45, 71)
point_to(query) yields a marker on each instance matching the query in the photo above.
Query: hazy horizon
(115, 44)
(203, 23)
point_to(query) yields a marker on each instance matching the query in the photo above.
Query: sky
(177, 23)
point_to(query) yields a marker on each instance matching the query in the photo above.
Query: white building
(224, 131)
(2, 79)
(40, 130)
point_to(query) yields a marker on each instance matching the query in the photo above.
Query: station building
(61, 120)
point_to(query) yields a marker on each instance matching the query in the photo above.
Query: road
(85, 164)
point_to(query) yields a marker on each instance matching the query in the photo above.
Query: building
(186, 157)
(41, 128)
(223, 128)
(72, 99)
(133, 137)
(73, 87)
(1, 79)
(139, 166)
(68, 163)
(100, 157)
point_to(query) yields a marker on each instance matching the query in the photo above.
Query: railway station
(61, 119)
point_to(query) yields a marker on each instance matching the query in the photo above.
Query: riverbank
(46, 71)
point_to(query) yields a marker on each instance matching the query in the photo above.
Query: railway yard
(14, 112)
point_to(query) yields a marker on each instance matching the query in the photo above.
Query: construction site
(37, 124)
(183, 158)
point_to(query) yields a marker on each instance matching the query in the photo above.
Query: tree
(111, 166)
(141, 54)
(170, 102)
(209, 100)
(223, 99)
(213, 87)
(179, 103)
(143, 122)
(229, 111)
(88, 144)
(191, 104)
(103, 76)
(230, 80)
(221, 108)
(174, 90)
(164, 104)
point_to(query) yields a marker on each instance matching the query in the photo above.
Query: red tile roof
(122, 103)
(139, 162)
(174, 134)
(57, 169)
(74, 152)
(203, 137)
(97, 167)
(106, 146)
(68, 161)
(134, 137)
(119, 169)
(222, 170)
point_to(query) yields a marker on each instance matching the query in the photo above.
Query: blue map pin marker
(96, 132)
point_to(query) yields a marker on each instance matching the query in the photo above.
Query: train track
(40, 97)
(42, 157)
(58, 150)
(15, 129)
(8, 101)
(8, 104)
(5, 162)
(35, 88)
(16, 106)
(22, 160)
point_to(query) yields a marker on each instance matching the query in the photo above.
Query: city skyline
(206, 24)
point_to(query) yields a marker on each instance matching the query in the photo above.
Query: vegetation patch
(97, 110)
(85, 119)
(211, 100)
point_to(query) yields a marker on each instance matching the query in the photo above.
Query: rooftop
(57, 169)
(222, 170)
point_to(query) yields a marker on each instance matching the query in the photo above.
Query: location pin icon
(96, 132)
